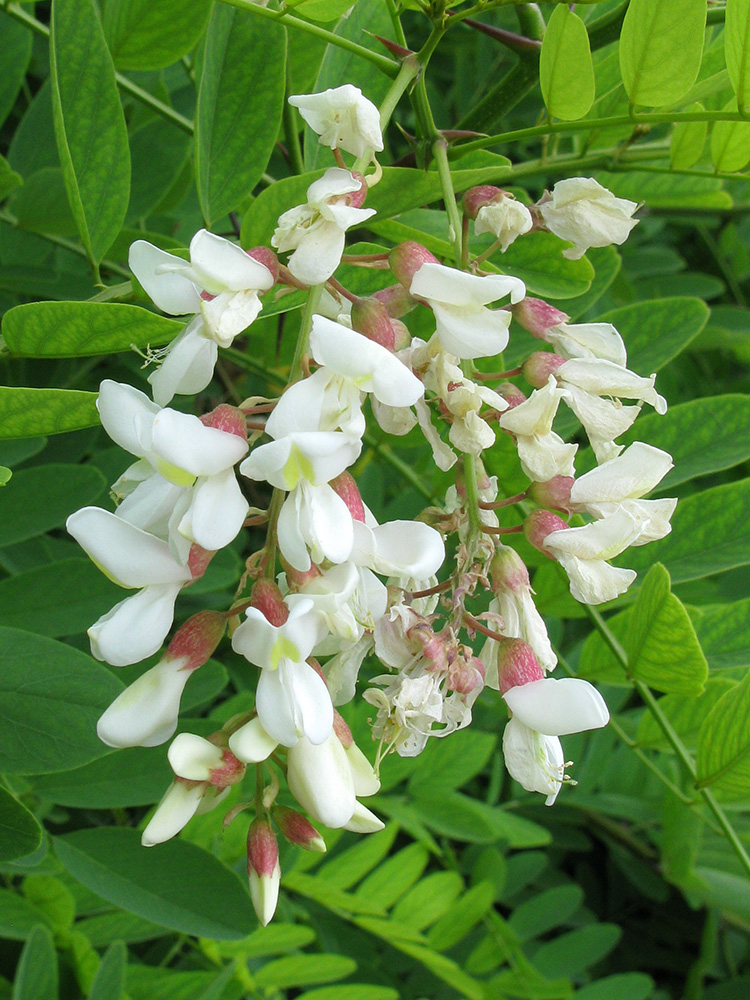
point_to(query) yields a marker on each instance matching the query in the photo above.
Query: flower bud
(508, 571)
(478, 196)
(196, 640)
(266, 597)
(267, 258)
(396, 300)
(401, 335)
(198, 560)
(229, 419)
(263, 869)
(554, 493)
(297, 578)
(297, 829)
(517, 664)
(538, 367)
(347, 489)
(342, 730)
(371, 318)
(407, 258)
(512, 395)
(537, 317)
(539, 524)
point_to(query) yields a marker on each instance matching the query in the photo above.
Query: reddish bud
(508, 571)
(539, 524)
(230, 772)
(554, 493)
(517, 664)
(537, 316)
(371, 318)
(407, 258)
(512, 395)
(341, 729)
(296, 578)
(229, 419)
(196, 640)
(538, 367)
(401, 335)
(263, 869)
(476, 197)
(357, 198)
(266, 597)
(198, 560)
(297, 829)
(396, 300)
(347, 489)
(267, 258)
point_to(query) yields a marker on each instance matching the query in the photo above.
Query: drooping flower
(583, 212)
(343, 118)
(542, 451)
(498, 212)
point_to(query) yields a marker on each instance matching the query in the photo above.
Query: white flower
(314, 524)
(315, 231)
(588, 340)
(291, 700)
(542, 452)
(146, 712)
(465, 326)
(535, 761)
(583, 212)
(504, 217)
(464, 400)
(343, 119)
(398, 548)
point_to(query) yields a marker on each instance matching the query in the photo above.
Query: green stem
(383, 63)
(471, 497)
(672, 737)
(290, 130)
(407, 73)
(16, 12)
(67, 244)
(303, 338)
(440, 152)
(396, 21)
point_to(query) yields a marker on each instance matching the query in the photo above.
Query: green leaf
(239, 108)
(737, 49)
(89, 124)
(175, 884)
(145, 982)
(449, 767)
(566, 71)
(31, 412)
(549, 909)
(661, 46)
(444, 968)
(110, 979)
(688, 139)
(429, 900)
(352, 991)
(5, 475)
(723, 758)
(18, 917)
(36, 976)
(685, 714)
(321, 10)
(724, 633)
(392, 879)
(20, 834)
(137, 776)
(569, 954)
(304, 970)
(730, 143)
(53, 899)
(9, 179)
(118, 926)
(42, 497)
(710, 533)
(667, 190)
(81, 329)
(328, 895)
(663, 649)
(41, 206)
(657, 330)
(51, 696)
(150, 34)
(455, 815)
(462, 916)
(158, 152)
(620, 986)
(275, 939)
(15, 53)
(354, 863)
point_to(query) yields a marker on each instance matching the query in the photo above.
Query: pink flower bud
(196, 640)
(297, 578)
(538, 367)
(266, 597)
(554, 493)
(347, 489)
(263, 869)
(537, 316)
(341, 730)
(198, 560)
(511, 394)
(517, 664)
(539, 524)
(478, 196)
(371, 318)
(297, 829)
(508, 571)
(401, 335)
(267, 258)
(229, 419)
(407, 258)
(396, 300)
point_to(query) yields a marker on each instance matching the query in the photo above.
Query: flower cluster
(330, 585)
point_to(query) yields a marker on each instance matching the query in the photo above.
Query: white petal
(293, 701)
(364, 821)
(159, 274)
(636, 472)
(229, 313)
(136, 627)
(216, 513)
(594, 581)
(399, 548)
(588, 340)
(471, 331)
(557, 707)
(451, 286)
(317, 457)
(146, 712)
(188, 366)
(150, 505)
(193, 758)
(224, 265)
(127, 415)
(603, 539)
(183, 441)
(366, 782)
(320, 779)
(177, 807)
(251, 743)
(534, 760)
(318, 253)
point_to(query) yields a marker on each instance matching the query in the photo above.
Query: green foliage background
(124, 119)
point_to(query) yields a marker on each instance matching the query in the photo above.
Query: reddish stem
(490, 530)
(497, 504)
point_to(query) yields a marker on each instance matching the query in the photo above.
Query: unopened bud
(263, 869)
(476, 197)
(342, 730)
(508, 571)
(198, 560)
(371, 318)
(267, 258)
(537, 317)
(554, 493)
(539, 524)
(229, 419)
(407, 258)
(196, 640)
(401, 335)
(266, 597)
(538, 367)
(297, 578)
(517, 664)
(347, 489)
(297, 829)
(512, 395)
(396, 300)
